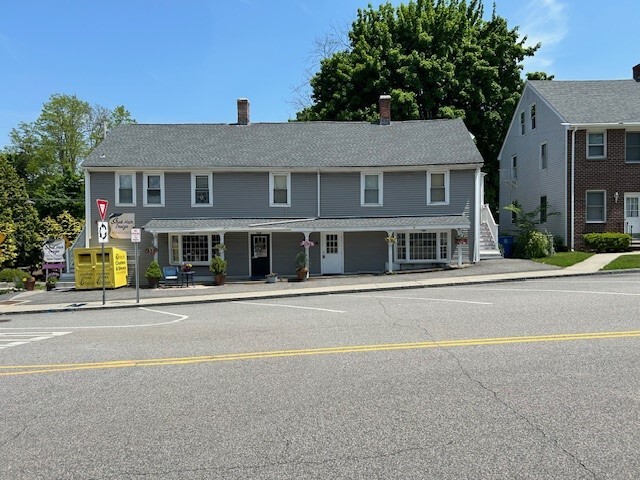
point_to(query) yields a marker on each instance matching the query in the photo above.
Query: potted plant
(29, 283)
(51, 282)
(272, 278)
(219, 268)
(153, 274)
(186, 267)
(300, 263)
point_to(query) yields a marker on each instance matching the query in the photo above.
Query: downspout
(573, 187)
(87, 207)
(318, 188)
(476, 217)
(566, 181)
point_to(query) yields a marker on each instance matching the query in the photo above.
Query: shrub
(533, 244)
(218, 266)
(608, 241)
(153, 271)
(10, 274)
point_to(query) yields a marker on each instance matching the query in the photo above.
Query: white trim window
(596, 206)
(514, 169)
(632, 147)
(371, 188)
(193, 249)
(544, 154)
(522, 127)
(596, 144)
(533, 116)
(201, 189)
(438, 188)
(125, 189)
(543, 209)
(279, 189)
(423, 247)
(153, 187)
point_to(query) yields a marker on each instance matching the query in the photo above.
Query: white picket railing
(487, 218)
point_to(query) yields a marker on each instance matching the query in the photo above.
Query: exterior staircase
(488, 236)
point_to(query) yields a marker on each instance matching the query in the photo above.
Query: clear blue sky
(187, 61)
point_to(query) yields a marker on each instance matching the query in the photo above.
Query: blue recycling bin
(507, 245)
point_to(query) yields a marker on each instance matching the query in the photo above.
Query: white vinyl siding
(279, 189)
(632, 147)
(371, 189)
(596, 145)
(125, 189)
(437, 188)
(153, 189)
(201, 189)
(596, 206)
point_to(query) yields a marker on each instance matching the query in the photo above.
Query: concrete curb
(246, 296)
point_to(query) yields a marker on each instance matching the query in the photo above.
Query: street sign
(136, 234)
(102, 208)
(103, 232)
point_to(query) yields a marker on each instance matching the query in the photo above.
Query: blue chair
(170, 275)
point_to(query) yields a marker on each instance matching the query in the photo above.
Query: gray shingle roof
(306, 224)
(287, 145)
(594, 101)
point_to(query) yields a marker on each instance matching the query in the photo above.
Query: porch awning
(351, 224)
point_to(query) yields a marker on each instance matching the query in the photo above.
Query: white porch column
(306, 251)
(221, 252)
(390, 252)
(155, 246)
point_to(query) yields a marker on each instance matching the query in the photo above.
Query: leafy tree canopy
(47, 153)
(437, 59)
(19, 220)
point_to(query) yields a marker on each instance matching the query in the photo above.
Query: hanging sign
(53, 251)
(120, 225)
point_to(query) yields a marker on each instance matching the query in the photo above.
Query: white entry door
(632, 213)
(332, 255)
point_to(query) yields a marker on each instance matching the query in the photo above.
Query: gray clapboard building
(262, 189)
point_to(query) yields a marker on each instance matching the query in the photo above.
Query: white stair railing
(488, 220)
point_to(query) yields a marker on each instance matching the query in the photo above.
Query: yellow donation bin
(88, 267)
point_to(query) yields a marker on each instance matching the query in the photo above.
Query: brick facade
(611, 174)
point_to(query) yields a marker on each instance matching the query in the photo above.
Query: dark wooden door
(260, 263)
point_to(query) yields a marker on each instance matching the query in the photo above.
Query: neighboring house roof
(593, 101)
(163, 225)
(286, 145)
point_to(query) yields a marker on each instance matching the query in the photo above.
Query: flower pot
(153, 282)
(50, 286)
(220, 278)
(30, 285)
(272, 279)
(302, 274)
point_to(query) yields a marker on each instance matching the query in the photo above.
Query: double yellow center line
(13, 370)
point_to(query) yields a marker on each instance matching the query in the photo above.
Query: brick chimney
(636, 73)
(384, 104)
(243, 111)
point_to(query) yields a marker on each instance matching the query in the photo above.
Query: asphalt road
(536, 379)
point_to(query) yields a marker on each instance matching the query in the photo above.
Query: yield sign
(102, 208)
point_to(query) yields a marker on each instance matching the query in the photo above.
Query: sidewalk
(488, 271)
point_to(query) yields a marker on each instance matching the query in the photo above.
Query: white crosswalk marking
(13, 339)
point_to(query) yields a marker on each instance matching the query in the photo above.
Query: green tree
(539, 76)
(437, 59)
(64, 225)
(19, 220)
(47, 153)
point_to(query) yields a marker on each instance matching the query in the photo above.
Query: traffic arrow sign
(103, 232)
(102, 207)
